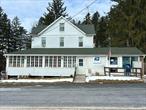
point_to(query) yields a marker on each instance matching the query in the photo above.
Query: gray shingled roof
(82, 51)
(88, 29)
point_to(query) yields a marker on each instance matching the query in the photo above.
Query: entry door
(126, 60)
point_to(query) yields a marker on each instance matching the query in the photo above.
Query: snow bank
(123, 78)
(38, 80)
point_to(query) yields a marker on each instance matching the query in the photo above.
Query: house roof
(82, 51)
(87, 29)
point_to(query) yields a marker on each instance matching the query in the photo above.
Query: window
(69, 61)
(74, 61)
(32, 61)
(46, 61)
(61, 41)
(18, 61)
(80, 62)
(80, 41)
(61, 26)
(113, 60)
(22, 61)
(50, 61)
(55, 61)
(14, 61)
(40, 61)
(43, 41)
(36, 61)
(10, 61)
(28, 61)
(59, 61)
(65, 61)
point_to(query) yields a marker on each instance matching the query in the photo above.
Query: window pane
(80, 62)
(113, 60)
(18, 61)
(14, 61)
(69, 61)
(50, 61)
(61, 26)
(55, 61)
(32, 61)
(10, 61)
(46, 61)
(40, 61)
(74, 61)
(28, 61)
(59, 61)
(36, 61)
(43, 41)
(22, 61)
(80, 41)
(65, 61)
(61, 41)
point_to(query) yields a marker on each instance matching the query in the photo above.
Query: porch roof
(82, 51)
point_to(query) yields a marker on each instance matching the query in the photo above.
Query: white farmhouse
(63, 49)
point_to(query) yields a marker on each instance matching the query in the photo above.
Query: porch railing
(134, 71)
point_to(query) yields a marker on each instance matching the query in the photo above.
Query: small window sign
(96, 60)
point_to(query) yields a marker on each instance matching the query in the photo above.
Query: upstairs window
(80, 41)
(61, 26)
(43, 41)
(61, 41)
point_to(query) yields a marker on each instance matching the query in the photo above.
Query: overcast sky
(29, 11)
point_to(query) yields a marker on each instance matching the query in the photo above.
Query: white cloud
(29, 11)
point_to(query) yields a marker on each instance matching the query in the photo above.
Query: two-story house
(60, 47)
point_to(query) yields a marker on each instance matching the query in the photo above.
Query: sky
(29, 11)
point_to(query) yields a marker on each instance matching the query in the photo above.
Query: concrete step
(80, 78)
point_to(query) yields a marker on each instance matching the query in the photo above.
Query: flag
(109, 53)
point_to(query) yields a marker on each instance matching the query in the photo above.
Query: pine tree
(55, 10)
(87, 19)
(18, 33)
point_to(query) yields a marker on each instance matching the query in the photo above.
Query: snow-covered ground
(38, 80)
(123, 78)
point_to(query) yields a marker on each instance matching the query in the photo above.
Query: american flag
(109, 53)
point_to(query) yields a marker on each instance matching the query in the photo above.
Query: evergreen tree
(5, 32)
(127, 24)
(87, 19)
(18, 33)
(55, 10)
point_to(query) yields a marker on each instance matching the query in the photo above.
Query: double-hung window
(61, 27)
(80, 41)
(43, 41)
(61, 41)
(80, 62)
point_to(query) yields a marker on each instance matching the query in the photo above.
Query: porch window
(22, 61)
(113, 60)
(28, 61)
(43, 41)
(80, 41)
(65, 61)
(32, 61)
(36, 61)
(18, 61)
(55, 61)
(40, 61)
(14, 62)
(46, 61)
(80, 62)
(59, 61)
(10, 61)
(50, 61)
(61, 26)
(61, 41)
